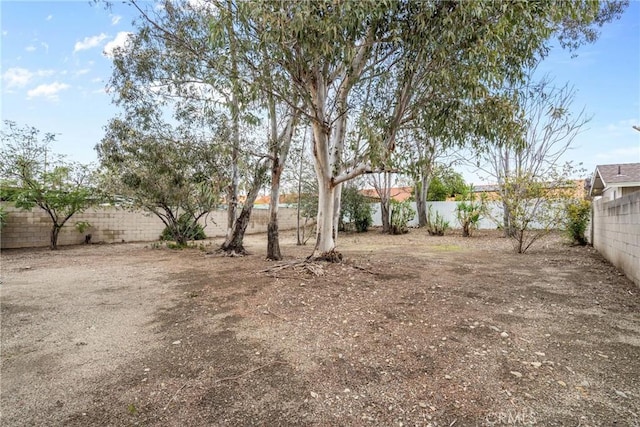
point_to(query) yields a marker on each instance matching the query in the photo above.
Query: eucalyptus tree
(330, 52)
(227, 30)
(192, 55)
(420, 154)
(280, 139)
(171, 75)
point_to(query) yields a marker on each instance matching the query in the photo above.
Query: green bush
(355, 211)
(186, 228)
(468, 214)
(401, 214)
(436, 225)
(469, 210)
(578, 213)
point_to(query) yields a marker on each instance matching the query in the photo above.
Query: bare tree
(532, 168)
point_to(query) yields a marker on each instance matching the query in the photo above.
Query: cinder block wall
(28, 229)
(616, 233)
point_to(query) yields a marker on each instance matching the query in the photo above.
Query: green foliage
(169, 172)
(578, 213)
(445, 183)
(355, 210)
(185, 229)
(363, 68)
(41, 178)
(82, 226)
(3, 217)
(436, 225)
(535, 205)
(309, 200)
(401, 214)
(469, 211)
(131, 408)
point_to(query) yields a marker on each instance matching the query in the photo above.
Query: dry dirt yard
(410, 330)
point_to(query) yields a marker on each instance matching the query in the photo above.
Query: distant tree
(234, 244)
(305, 187)
(382, 183)
(190, 57)
(355, 211)
(445, 183)
(42, 178)
(3, 217)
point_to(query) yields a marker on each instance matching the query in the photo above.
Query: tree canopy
(365, 69)
(361, 72)
(36, 176)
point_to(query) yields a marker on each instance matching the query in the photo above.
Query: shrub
(186, 228)
(469, 211)
(578, 213)
(436, 225)
(401, 214)
(468, 214)
(356, 209)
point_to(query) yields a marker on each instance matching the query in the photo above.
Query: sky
(55, 66)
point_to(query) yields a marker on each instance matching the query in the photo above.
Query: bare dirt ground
(410, 330)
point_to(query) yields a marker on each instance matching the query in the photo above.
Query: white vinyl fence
(448, 211)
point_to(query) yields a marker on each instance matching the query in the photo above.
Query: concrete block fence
(616, 233)
(28, 229)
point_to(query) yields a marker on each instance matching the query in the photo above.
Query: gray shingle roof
(623, 172)
(607, 175)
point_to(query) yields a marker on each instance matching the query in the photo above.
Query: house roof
(486, 188)
(283, 199)
(621, 174)
(399, 194)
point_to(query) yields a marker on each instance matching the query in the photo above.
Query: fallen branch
(244, 374)
(313, 268)
(223, 379)
(268, 311)
(357, 267)
(175, 395)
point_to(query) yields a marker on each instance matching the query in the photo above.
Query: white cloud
(96, 80)
(30, 48)
(17, 77)
(89, 42)
(201, 5)
(45, 46)
(49, 18)
(49, 91)
(120, 41)
(115, 19)
(5, 32)
(82, 71)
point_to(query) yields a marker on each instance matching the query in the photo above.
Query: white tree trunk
(326, 227)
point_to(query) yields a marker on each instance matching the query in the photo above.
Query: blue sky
(54, 71)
